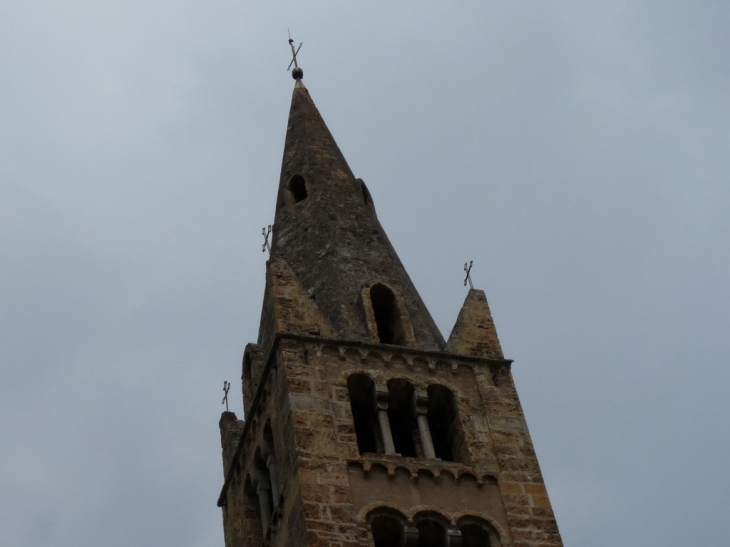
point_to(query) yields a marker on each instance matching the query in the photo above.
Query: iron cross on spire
(297, 73)
(467, 269)
(226, 387)
(265, 232)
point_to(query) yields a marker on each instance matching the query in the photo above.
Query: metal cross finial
(265, 232)
(226, 387)
(297, 73)
(467, 269)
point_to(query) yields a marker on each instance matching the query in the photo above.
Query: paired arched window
(398, 421)
(391, 529)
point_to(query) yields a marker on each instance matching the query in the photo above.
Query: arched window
(387, 315)
(387, 531)
(473, 535)
(297, 188)
(388, 527)
(362, 402)
(476, 532)
(443, 422)
(401, 410)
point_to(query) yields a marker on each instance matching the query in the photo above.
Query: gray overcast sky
(576, 151)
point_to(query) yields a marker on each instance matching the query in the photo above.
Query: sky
(577, 152)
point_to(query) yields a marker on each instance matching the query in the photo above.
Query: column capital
(381, 398)
(421, 403)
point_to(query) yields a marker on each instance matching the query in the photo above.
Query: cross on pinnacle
(226, 387)
(265, 232)
(297, 73)
(467, 269)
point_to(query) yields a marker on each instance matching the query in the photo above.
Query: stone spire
(327, 232)
(474, 332)
(351, 442)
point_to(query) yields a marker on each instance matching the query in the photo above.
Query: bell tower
(363, 426)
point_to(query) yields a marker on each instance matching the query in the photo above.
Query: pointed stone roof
(309, 147)
(326, 231)
(474, 332)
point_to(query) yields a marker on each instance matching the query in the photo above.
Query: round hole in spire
(298, 188)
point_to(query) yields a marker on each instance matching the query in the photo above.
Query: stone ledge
(419, 469)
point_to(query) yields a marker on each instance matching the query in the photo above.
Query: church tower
(363, 426)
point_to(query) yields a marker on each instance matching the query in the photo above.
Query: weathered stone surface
(231, 430)
(332, 239)
(474, 332)
(293, 310)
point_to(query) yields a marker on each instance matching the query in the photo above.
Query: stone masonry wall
(329, 487)
(523, 490)
(269, 420)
